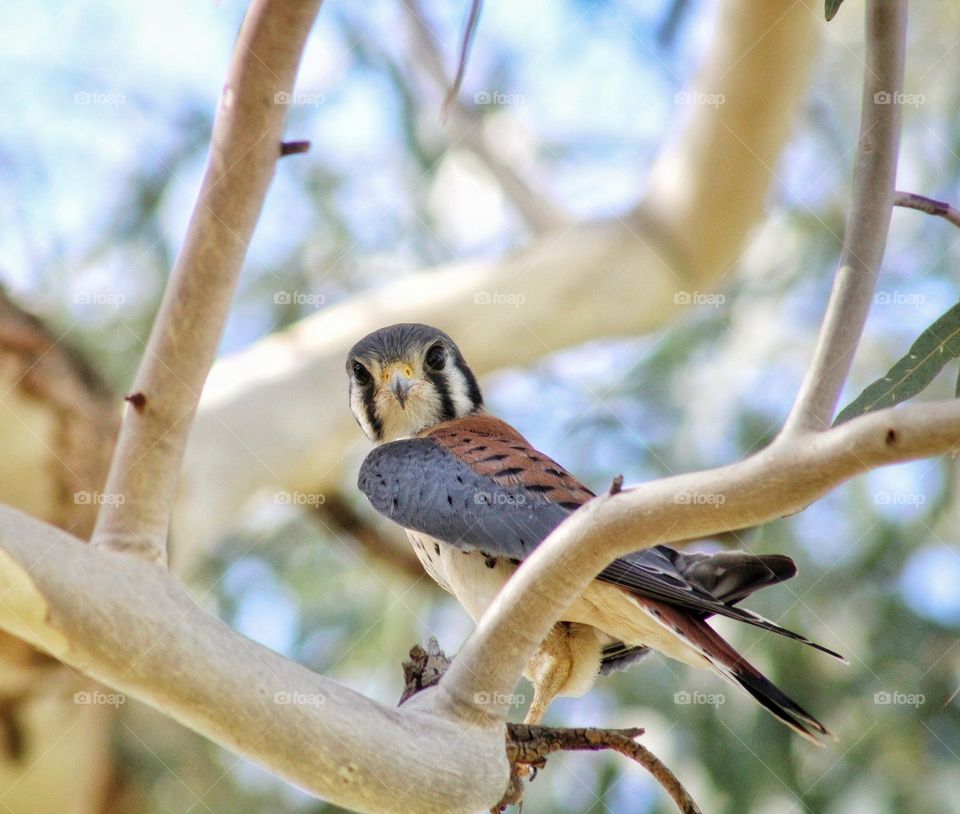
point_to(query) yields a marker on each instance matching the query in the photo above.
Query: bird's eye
(360, 373)
(436, 358)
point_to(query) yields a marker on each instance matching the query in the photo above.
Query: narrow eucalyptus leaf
(936, 346)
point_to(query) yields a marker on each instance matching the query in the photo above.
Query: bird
(476, 498)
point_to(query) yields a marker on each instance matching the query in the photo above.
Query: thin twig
(245, 147)
(868, 222)
(466, 128)
(660, 771)
(530, 745)
(941, 209)
(469, 30)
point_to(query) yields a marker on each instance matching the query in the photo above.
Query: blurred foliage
(96, 198)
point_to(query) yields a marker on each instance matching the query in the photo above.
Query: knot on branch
(293, 147)
(137, 400)
(425, 668)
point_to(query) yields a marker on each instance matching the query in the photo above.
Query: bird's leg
(549, 674)
(548, 670)
(565, 663)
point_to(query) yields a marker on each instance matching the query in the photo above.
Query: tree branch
(134, 626)
(244, 151)
(782, 479)
(729, 140)
(868, 221)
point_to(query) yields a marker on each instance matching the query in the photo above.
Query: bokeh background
(107, 109)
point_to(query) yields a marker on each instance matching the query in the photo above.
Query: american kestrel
(476, 498)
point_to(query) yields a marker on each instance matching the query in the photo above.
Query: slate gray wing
(422, 486)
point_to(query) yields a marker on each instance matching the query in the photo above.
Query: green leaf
(831, 8)
(936, 346)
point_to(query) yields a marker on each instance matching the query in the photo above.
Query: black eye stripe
(364, 385)
(447, 411)
(369, 407)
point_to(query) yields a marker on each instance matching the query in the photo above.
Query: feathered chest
(473, 577)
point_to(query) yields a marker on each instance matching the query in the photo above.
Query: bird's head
(407, 377)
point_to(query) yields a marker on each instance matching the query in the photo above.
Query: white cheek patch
(459, 391)
(359, 409)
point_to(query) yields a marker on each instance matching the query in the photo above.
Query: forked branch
(245, 147)
(868, 222)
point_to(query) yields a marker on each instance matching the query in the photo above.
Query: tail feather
(773, 699)
(755, 619)
(706, 584)
(695, 633)
(730, 576)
